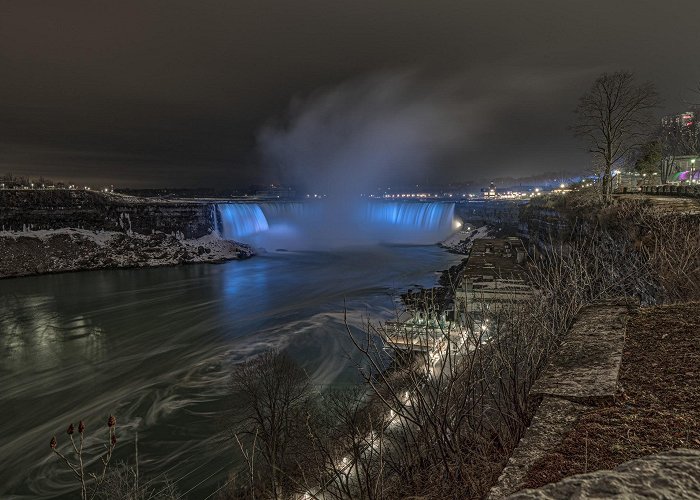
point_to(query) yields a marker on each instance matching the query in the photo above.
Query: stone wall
(543, 227)
(663, 476)
(96, 211)
(494, 212)
(582, 373)
(673, 190)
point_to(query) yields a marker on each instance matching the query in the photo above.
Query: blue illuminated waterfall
(407, 216)
(241, 220)
(317, 225)
(288, 212)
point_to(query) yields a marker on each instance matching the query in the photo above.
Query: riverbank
(27, 253)
(440, 295)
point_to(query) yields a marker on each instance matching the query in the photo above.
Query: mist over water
(386, 128)
(391, 128)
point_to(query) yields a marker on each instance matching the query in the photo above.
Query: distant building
(682, 120)
(495, 276)
(687, 162)
(686, 169)
(276, 193)
(684, 126)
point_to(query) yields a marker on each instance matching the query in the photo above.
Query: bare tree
(614, 116)
(671, 144)
(273, 393)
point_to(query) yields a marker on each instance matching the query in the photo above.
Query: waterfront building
(495, 275)
(423, 331)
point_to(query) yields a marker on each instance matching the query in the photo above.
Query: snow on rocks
(461, 241)
(29, 252)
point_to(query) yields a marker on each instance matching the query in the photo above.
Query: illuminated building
(684, 126)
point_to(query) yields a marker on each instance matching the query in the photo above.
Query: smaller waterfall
(241, 220)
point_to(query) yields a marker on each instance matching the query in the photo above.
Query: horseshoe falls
(320, 225)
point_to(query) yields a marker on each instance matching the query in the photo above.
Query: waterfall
(241, 220)
(286, 212)
(318, 225)
(412, 216)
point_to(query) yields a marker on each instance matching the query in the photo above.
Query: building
(687, 163)
(681, 120)
(491, 191)
(684, 131)
(686, 169)
(423, 331)
(495, 275)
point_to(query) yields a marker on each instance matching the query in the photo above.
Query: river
(155, 348)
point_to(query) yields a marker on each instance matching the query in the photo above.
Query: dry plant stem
(72, 467)
(105, 459)
(81, 468)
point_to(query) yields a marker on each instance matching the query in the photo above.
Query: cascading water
(317, 225)
(431, 217)
(239, 221)
(285, 212)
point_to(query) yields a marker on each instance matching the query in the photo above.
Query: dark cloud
(176, 92)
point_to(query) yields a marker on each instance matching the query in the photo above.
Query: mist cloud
(383, 128)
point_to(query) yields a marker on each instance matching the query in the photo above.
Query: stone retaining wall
(673, 190)
(583, 372)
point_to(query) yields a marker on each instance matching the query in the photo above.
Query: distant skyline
(222, 93)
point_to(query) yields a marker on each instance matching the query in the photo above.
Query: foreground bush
(109, 481)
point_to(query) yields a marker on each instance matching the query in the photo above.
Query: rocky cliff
(55, 231)
(96, 211)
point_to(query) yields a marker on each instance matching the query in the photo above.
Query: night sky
(219, 93)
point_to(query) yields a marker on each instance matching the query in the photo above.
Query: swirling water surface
(156, 346)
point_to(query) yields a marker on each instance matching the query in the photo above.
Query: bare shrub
(671, 245)
(123, 483)
(90, 482)
(111, 481)
(454, 403)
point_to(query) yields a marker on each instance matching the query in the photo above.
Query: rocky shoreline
(440, 295)
(27, 253)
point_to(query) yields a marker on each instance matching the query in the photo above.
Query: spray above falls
(346, 141)
(383, 129)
